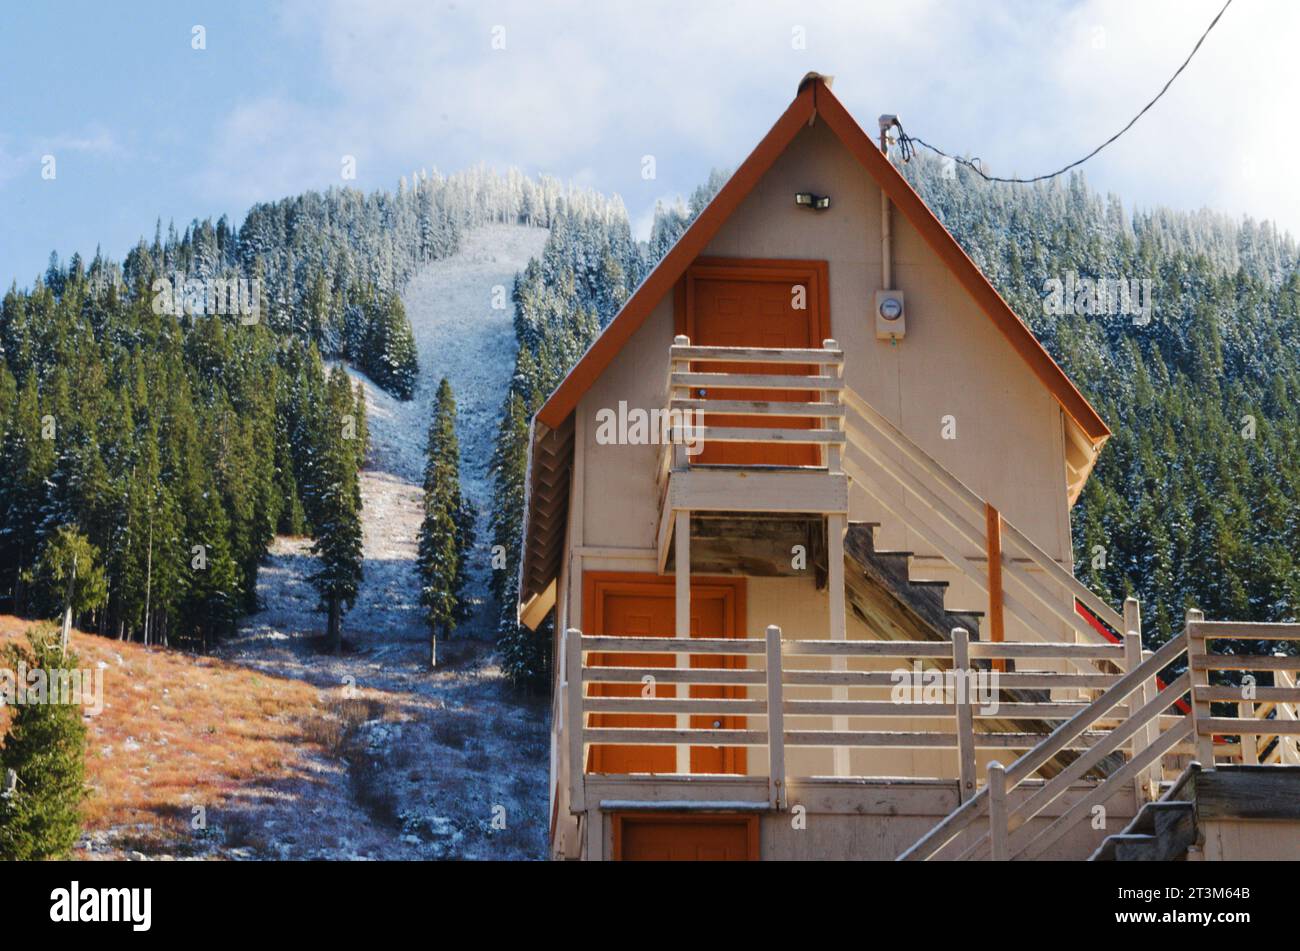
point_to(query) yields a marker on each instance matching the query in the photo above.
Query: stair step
(1176, 830)
(1148, 820)
(882, 591)
(1135, 848)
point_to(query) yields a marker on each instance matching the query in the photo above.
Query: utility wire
(907, 143)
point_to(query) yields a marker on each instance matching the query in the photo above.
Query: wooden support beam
(776, 791)
(835, 528)
(682, 628)
(993, 534)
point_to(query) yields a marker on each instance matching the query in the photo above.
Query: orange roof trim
(816, 99)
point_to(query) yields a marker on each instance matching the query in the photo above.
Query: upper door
(749, 303)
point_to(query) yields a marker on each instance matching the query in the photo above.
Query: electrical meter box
(891, 315)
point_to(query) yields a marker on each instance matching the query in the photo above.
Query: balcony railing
(767, 399)
(775, 722)
(1007, 834)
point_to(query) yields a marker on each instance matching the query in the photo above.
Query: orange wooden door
(648, 609)
(685, 838)
(753, 313)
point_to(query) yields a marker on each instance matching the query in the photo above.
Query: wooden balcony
(753, 431)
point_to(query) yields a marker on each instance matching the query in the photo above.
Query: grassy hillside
(179, 731)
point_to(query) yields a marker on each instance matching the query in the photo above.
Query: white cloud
(588, 88)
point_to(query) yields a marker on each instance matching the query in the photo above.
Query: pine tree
(336, 509)
(42, 761)
(389, 354)
(68, 576)
(447, 531)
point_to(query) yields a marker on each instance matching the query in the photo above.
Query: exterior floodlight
(815, 202)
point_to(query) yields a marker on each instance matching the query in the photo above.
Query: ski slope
(438, 756)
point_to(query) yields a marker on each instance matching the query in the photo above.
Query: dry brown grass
(178, 731)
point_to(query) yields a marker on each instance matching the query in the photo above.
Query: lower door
(685, 838)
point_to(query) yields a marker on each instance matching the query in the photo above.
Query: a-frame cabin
(801, 515)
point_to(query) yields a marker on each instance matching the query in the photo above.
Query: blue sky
(142, 125)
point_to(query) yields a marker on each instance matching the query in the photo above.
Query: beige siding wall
(1009, 445)
(877, 821)
(1235, 840)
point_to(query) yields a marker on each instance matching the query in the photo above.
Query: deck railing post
(1151, 732)
(834, 462)
(1249, 741)
(776, 793)
(1288, 746)
(965, 714)
(680, 459)
(1200, 682)
(682, 623)
(1132, 661)
(999, 835)
(576, 720)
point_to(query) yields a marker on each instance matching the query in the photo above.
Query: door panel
(753, 313)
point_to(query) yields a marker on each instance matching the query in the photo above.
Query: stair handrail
(1029, 762)
(943, 521)
(975, 505)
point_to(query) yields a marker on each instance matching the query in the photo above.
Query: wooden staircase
(882, 593)
(1119, 722)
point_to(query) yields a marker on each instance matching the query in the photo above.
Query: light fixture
(815, 202)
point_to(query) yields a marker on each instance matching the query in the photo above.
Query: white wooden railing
(772, 664)
(1017, 578)
(798, 403)
(1273, 748)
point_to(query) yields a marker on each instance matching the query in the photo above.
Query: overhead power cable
(907, 143)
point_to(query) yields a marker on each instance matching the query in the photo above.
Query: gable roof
(816, 100)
